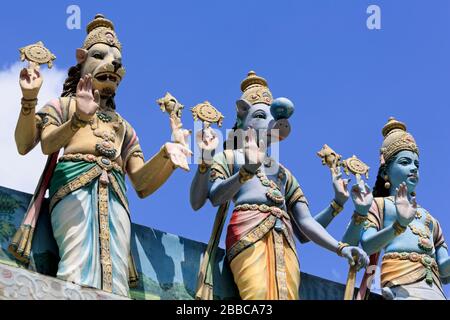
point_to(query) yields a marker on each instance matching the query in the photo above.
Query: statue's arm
(53, 137)
(147, 177)
(352, 234)
(199, 189)
(311, 228)
(325, 216)
(26, 132)
(341, 196)
(224, 190)
(373, 241)
(443, 261)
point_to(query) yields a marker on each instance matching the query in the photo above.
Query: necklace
(105, 146)
(424, 242)
(424, 235)
(103, 116)
(273, 193)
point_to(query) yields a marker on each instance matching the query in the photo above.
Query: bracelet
(359, 218)
(77, 123)
(398, 228)
(337, 208)
(341, 246)
(244, 175)
(28, 105)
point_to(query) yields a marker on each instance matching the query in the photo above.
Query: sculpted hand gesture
(207, 141)
(254, 154)
(30, 81)
(341, 193)
(178, 155)
(179, 134)
(87, 102)
(362, 199)
(355, 255)
(406, 210)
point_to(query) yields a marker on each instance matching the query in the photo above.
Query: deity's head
(399, 160)
(258, 110)
(101, 57)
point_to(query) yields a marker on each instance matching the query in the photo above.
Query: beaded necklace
(105, 146)
(273, 193)
(424, 242)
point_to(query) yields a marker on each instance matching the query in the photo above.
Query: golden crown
(255, 90)
(396, 139)
(101, 30)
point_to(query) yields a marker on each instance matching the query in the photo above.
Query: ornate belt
(427, 261)
(279, 213)
(103, 162)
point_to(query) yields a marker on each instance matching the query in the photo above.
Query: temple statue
(90, 216)
(415, 261)
(269, 205)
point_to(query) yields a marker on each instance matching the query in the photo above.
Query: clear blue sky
(344, 79)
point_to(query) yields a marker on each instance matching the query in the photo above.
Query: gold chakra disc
(356, 166)
(206, 112)
(37, 53)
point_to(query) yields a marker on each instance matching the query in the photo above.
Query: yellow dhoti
(267, 270)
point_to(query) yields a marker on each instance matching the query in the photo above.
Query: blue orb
(281, 108)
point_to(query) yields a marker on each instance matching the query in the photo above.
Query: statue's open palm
(254, 153)
(406, 209)
(178, 155)
(87, 101)
(340, 185)
(207, 141)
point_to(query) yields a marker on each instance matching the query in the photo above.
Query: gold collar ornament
(101, 30)
(255, 89)
(37, 53)
(396, 139)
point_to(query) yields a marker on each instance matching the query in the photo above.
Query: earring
(387, 184)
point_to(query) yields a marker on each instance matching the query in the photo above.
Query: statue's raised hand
(87, 101)
(30, 81)
(406, 209)
(362, 199)
(207, 141)
(355, 255)
(178, 154)
(341, 193)
(254, 153)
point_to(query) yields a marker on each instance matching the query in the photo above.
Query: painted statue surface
(90, 216)
(270, 208)
(415, 261)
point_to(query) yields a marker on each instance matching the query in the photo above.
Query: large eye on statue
(281, 108)
(98, 55)
(259, 114)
